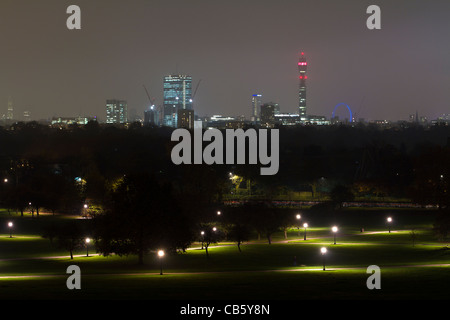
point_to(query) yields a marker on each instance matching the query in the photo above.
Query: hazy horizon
(236, 48)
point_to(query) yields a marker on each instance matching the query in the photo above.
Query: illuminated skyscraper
(256, 104)
(302, 89)
(10, 114)
(116, 111)
(177, 96)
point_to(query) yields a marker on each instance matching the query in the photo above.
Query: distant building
(318, 120)
(302, 64)
(177, 95)
(10, 112)
(443, 120)
(221, 122)
(65, 121)
(151, 116)
(26, 116)
(256, 104)
(267, 114)
(287, 119)
(185, 119)
(381, 123)
(445, 116)
(116, 111)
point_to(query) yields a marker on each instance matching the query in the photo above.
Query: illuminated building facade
(10, 113)
(116, 111)
(177, 96)
(185, 119)
(302, 64)
(256, 103)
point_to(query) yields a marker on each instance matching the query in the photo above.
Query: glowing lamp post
(305, 225)
(88, 240)
(323, 250)
(389, 221)
(203, 237)
(161, 255)
(219, 213)
(10, 225)
(298, 217)
(335, 230)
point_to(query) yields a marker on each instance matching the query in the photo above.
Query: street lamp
(298, 217)
(335, 230)
(323, 250)
(88, 240)
(219, 213)
(214, 229)
(10, 225)
(389, 220)
(161, 255)
(203, 237)
(306, 226)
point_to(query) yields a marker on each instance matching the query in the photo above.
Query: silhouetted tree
(209, 234)
(432, 178)
(264, 218)
(141, 215)
(237, 222)
(70, 237)
(340, 194)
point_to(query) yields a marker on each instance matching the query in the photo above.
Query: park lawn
(254, 257)
(416, 283)
(289, 269)
(30, 246)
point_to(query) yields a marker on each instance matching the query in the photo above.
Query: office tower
(151, 116)
(9, 113)
(177, 95)
(302, 89)
(26, 116)
(268, 112)
(116, 111)
(256, 103)
(185, 119)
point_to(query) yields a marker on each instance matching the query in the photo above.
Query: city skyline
(381, 74)
(198, 154)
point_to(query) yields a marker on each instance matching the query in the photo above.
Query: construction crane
(152, 100)
(360, 107)
(196, 88)
(195, 92)
(153, 105)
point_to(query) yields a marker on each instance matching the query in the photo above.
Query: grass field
(288, 269)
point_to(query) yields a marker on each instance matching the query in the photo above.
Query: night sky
(237, 48)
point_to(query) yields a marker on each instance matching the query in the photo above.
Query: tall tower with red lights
(302, 64)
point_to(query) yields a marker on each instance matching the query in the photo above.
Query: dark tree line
(145, 198)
